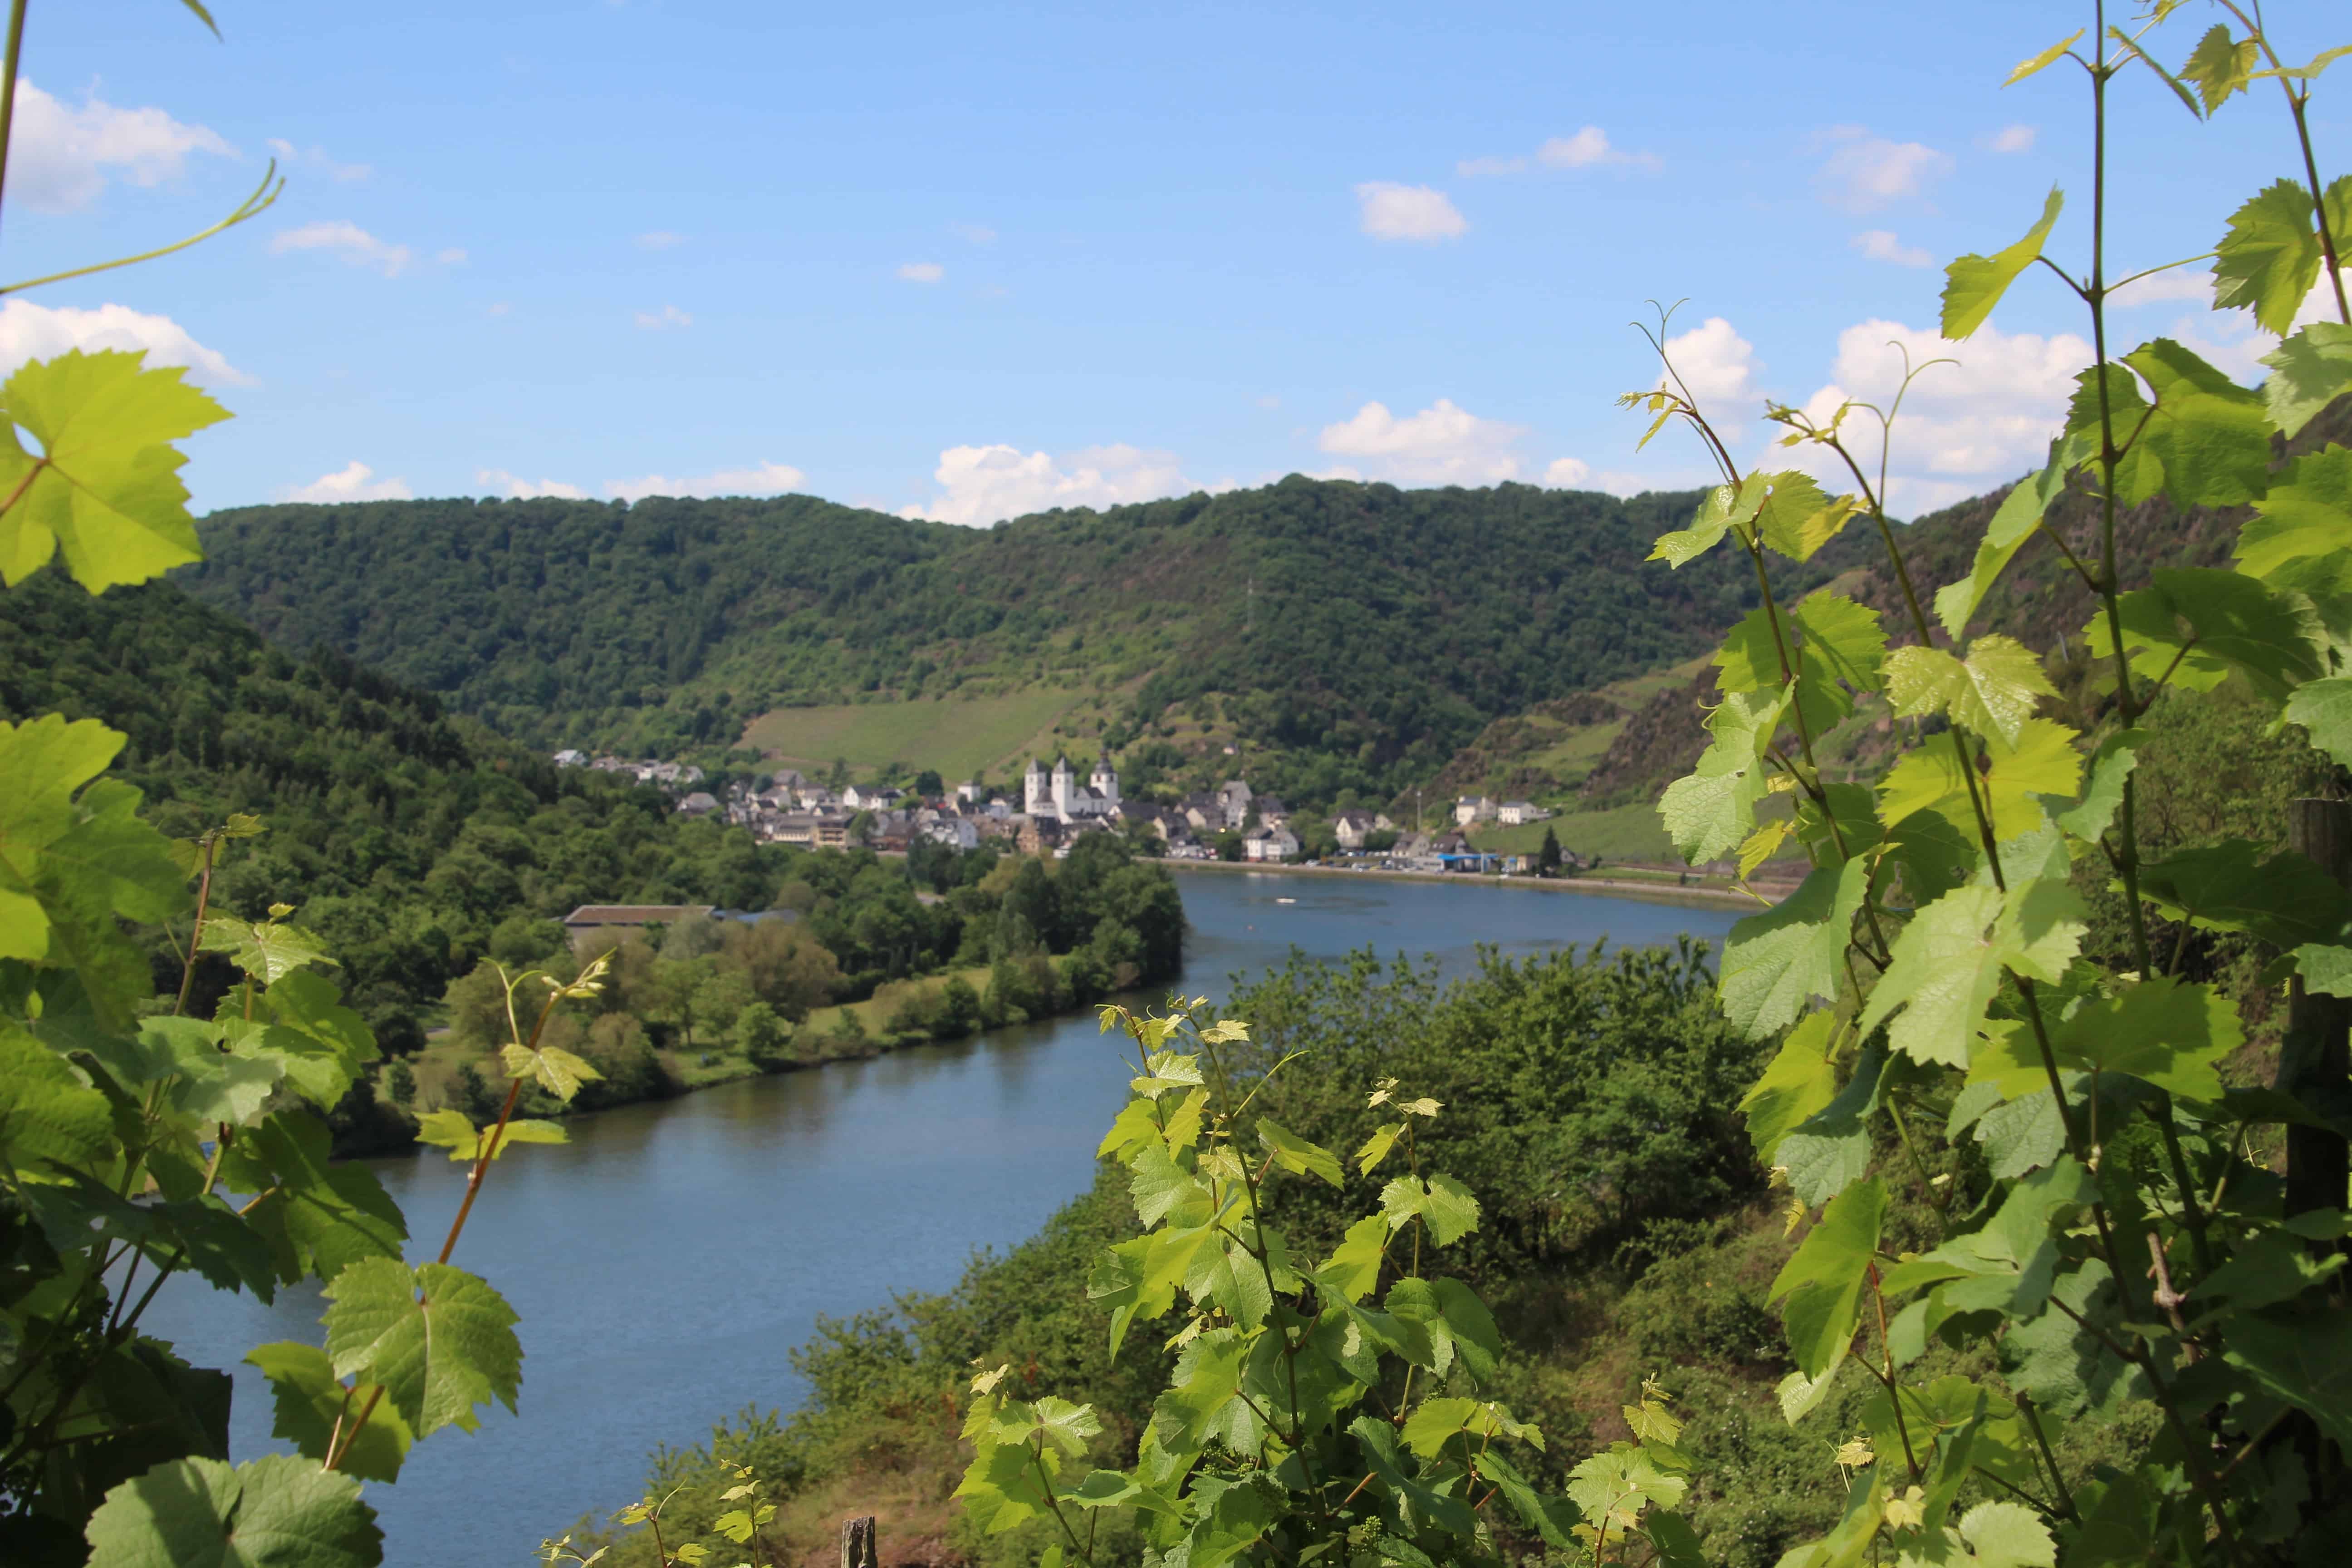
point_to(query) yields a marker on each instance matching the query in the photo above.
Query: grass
(957, 736)
(874, 1015)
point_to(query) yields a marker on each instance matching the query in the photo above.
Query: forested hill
(407, 835)
(1352, 635)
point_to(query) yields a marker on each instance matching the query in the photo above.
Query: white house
(1272, 844)
(871, 798)
(1352, 828)
(1512, 813)
(1234, 795)
(568, 759)
(1470, 809)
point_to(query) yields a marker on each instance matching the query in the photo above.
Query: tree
(836, 777)
(763, 1035)
(1548, 857)
(928, 785)
(400, 1084)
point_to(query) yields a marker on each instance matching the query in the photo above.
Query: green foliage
(2016, 1019)
(670, 624)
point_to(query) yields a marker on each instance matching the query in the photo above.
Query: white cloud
(499, 482)
(659, 239)
(973, 233)
(61, 158)
(2014, 139)
(291, 156)
(499, 308)
(985, 485)
(1717, 364)
(358, 245)
(38, 331)
(922, 271)
(2178, 283)
(453, 256)
(1391, 211)
(1880, 244)
(668, 316)
(1567, 474)
(760, 480)
(1588, 148)
(1864, 172)
(1442, 445)
(1965, 427)
(354, 481)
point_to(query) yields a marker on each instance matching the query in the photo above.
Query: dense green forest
(1375, 630)
(417, 843)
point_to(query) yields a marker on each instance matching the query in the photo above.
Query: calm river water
(666, 1259)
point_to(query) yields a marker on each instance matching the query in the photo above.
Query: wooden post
(2316, 1056)
(857, 1541)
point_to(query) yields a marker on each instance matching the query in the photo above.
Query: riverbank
(1714, 892)
(841, 1032)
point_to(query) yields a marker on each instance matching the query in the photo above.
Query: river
(666, 1261)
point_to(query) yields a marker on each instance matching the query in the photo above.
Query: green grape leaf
(1795, 519)
(1801, 1080)
(2221, 66)
(318, 1218)
(2158, 1031)
(106, 486)
(1708, 813)
(2271, 1266)
(1376, 1148)
(1775, 962)
(73, 858)
(2197, 623)
(2310, 70)
(1553, 1519)
(1749, 658)
(2307, 511)
(1950, 960)
(2014, 523)
(1936, 852)
(552, 1067)
(1825, 1279)
(1417, 1498)
(2006, 1535)
(2308, 372)
(1162, 1188)
(276, 1512)
(217, 1088)
(266, 950)
(2270, 257)
(1295, 1154)
(2325, 709)
(1847, 640)
(2111, 764)
(2306, 1361)
(46, 1113)
(1434, 1422)
(329, 1045)
(1992, 692)
(1202, 1401)
(2043, 60)
(450, 1130)
(310, 1403)
(1133, 1127)
(1830, 1150)
(1001, 1487)
(1354, 1267)
(2211, 437)
(1720, 510)
(440, 1340)
(1458, 1325)
(2283, 899)
(1448, 1208)
(1973, 285)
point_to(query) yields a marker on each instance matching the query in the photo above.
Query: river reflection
(666, 1259)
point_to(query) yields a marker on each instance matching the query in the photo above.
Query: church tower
(1034, 799)
(1065, 779)
(1105, 783)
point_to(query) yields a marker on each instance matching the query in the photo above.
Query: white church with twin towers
(1059, 796)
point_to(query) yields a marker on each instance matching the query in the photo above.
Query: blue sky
(975, 260)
